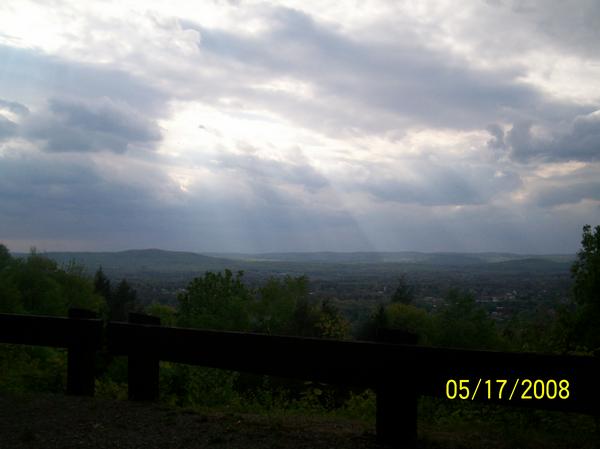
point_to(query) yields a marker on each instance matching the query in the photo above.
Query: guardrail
(399, 373)
(80, 333)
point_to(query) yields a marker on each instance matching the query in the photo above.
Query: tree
(215, 301)
(10, 296)
(122, 301)
(37, 285)
(166, 313)
(119, 301)
(274, 310)
(5, 257)
(403, 293)
(411, 319)
(586, 269)
(378, 320)
(585, 272)
(102, 284)
(331, 323)
(463, 324)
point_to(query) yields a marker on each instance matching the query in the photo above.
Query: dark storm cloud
(8, 128)
(257, 168)
(378, 81)
(580, 142)
(59, 196)
(497, 141)
(431, 184)
(568, 194)
(89, 107)
(29, 73)
(14, 107)
(412, 82)
(92, 125)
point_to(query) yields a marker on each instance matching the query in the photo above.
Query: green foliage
(378, 320)
(102, 283)
(76, 288)
(166, 313)
(403, 293)
(32, 369)
(185, 385)
(107, 388)
(119, 301)
(5, 257)
(10, 296)
(361, 406)
(122, 301)
(215, 301)
(412, 319)
(280, 306)
(463, 324)
(320, 320)
(586, 269)
(586, 291)
(40, 290)
(278, 300)
(330, 323)
(37, 285)
(541, 330)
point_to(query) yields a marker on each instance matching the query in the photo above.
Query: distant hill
(448, 259)
(532, 264)
(145, 260)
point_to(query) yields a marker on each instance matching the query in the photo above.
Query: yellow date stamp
(507, 389)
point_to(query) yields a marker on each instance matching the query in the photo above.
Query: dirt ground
(55, 421)
(46, 421)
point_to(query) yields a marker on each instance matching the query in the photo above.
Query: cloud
(8, 128)
(79, 107)
(33, 75)
(564, 184)
(497, 141)
(92, 125)
(403, 127)
(568, 194)
(571, 24)
(403, 82)
(67, 195)
(267, 170)
(431, 183)
(14, 107)
(560, 26)
(579, 142)
(53, 196)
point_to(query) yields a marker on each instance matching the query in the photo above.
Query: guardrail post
(597, 414)
(396, 398)
(81, 355)
(143, 367)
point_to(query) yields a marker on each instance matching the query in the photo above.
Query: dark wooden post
(597, 414)
(82, 353)
(143, 367)
(396, 398)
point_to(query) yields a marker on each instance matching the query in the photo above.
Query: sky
(243, 126)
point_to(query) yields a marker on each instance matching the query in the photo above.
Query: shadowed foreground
(54, 421)
(57, 421)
